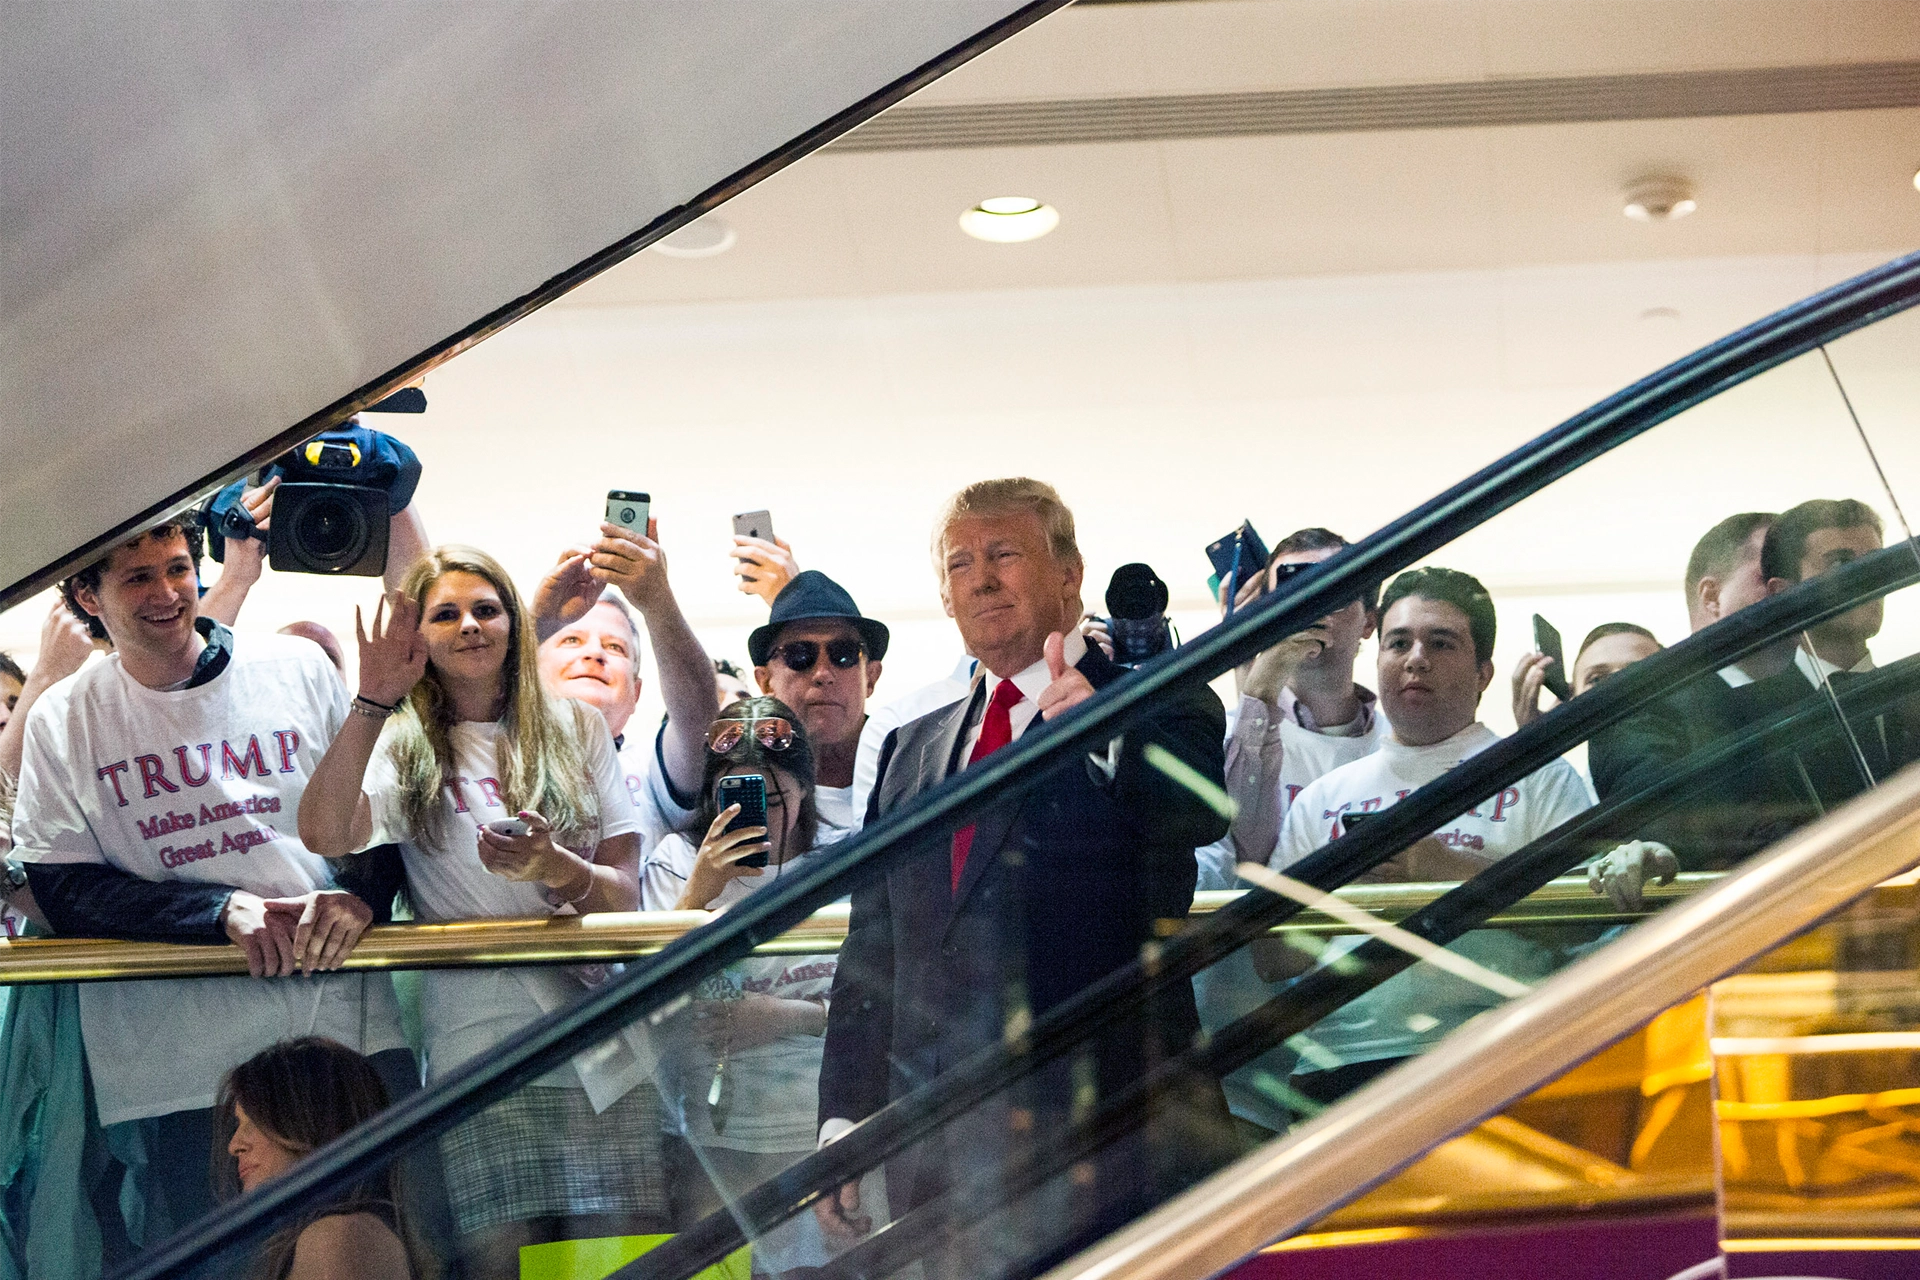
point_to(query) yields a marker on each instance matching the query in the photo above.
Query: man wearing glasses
(820, 657)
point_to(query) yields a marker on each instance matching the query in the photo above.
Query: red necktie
(996, 731)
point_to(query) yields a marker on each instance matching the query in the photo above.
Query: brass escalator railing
(617, 936)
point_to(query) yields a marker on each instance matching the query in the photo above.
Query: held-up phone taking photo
(1547, 640)
(628, 510)
(749, 791)
(754, 524)
(1240, 556)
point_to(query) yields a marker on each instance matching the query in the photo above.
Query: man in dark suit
(973, 935)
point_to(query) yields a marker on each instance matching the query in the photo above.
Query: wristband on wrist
(556, 900)
(365, 706)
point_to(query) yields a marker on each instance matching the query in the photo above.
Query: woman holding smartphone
(743, 1077)
(507, 802)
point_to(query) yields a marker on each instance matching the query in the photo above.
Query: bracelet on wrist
(365, 706)
(556, 900)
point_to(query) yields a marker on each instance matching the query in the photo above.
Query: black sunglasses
(800, 655)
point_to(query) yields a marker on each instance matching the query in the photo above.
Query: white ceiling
(852, 223)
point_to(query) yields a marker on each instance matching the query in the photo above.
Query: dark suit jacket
(1063, 884)
(1762, 799)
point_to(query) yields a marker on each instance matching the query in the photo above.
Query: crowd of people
(207, 784)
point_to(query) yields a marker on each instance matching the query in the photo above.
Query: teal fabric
(48, 1229)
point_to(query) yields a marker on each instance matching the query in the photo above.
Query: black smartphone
(1547, 641)
(1350, 820)
(1252, 557)
(749, 791)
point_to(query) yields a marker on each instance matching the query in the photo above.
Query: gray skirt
(544, 1153)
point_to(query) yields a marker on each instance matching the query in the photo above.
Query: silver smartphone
(754, 524)
(628, 510)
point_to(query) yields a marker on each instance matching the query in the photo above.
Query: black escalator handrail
(646, 988)
(908, 1119)
(1327, 987)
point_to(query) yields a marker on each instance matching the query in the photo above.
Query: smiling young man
(1437, 630)
(1042, 894)
(157, 801)
(818, 655)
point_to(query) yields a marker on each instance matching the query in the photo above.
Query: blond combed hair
(1008, 497)
(541, 760)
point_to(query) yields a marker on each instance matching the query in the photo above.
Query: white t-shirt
(776, 1086)
(465, 1012)
(194, 784)
(653, 804)
(837, 817)
(1418, 1007)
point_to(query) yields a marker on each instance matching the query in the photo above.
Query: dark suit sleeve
(84, 900)
(1166, 808)
(853, 1071)
(375, 876)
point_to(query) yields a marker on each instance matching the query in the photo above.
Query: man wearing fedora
(820, 657)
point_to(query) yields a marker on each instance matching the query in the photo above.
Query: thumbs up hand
(1068, 688)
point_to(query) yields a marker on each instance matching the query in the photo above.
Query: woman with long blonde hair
(506, 802)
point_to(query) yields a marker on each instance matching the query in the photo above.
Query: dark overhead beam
(1465, 104)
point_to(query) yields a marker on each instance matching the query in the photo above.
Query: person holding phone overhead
(507, 802)
(744, 1078)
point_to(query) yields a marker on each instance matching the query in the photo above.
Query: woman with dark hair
(280, 1105)
(507, 802)
(744, 1075)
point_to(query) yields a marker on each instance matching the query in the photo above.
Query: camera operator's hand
(326, 924)
(1094, 628)
(634, 563)
(718, 862)
(393, 654)
(266, 936)
(1529, 677)
(566, 593)
(245, 558)
(1271, 669)
(1621, 875)
(764, 567)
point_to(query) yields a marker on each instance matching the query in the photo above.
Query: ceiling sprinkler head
(1659, 199)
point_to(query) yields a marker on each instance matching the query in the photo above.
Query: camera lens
(626, 515)
(331, 531)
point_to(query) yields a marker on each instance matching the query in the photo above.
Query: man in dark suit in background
(976, 933)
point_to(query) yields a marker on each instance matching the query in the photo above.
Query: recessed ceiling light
(1008, 219)
(704, 237)
(1659, 199)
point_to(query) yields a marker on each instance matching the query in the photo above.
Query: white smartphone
(754, 524)
(508, 826)
(628, 510)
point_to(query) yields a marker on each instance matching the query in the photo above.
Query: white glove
(1621, 873)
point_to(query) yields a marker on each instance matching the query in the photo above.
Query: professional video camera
(337, 492)
(1137, 609)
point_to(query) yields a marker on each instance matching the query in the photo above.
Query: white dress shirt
(1031, 682)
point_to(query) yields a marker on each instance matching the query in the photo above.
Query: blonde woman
(454, 741)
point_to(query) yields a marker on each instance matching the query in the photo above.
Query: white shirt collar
(1032, 681)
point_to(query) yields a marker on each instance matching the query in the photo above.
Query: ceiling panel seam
(1444, 105)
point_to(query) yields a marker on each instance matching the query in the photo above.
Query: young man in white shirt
(590, 650)
(818, 655)
(1436, 660)
(157, 800)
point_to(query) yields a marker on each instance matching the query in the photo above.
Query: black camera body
(330, 514)
(1137, 621)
